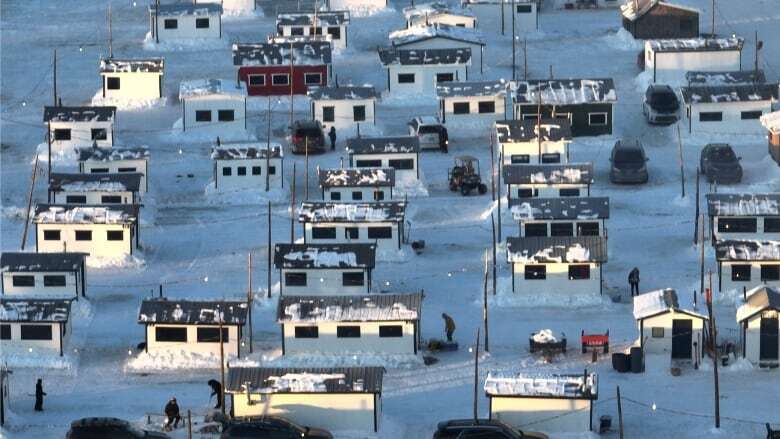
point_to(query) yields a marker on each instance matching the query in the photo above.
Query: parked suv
(307, 130)
(481, 428)
(629, 163)
(430, 132)
(272, 427)
(660, 105)
(719, 164)
(109, 428)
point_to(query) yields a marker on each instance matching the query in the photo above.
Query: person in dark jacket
(449, 325)
(633, 281)
(39, 394)
(172, 414)
(444, 140)
(216, 389)
(332, 137)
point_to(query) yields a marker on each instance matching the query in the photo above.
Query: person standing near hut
(633, 281)
(39, 394)
(332, 137)
(449, 325)
(216, 389)
(172, 414)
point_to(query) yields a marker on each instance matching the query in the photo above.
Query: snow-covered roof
(760, 298)
(192, 312)
(357, 177)
(565, 91)
(324, 256)
(703, 94)
(39, 262)
(149, 65)
(747, 250)
(568, 208)
(658, 302)
(409, 57)
(328, 212)
(343, 93)
(472, 89)
(245, 151)
(309, 53)
(771, 121)
(422, 10)
(634, 9)
(355, 308)
(437, 30)
(181, 9)
(519, 384)
(725, 77)
(79, 114)
(695, 44)
(721, 204)
(109, 154)
(267, 380)
(554, 249)
(125, 181)
(383, 145)
(526, 130)
(208, 87)
(77, 214)
(323, 18)
(494, 2)
(34, 310)
(552, 173)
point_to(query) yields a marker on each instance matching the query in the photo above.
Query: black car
(109, 428)
(660, 105)
(480, 429)
(272, 427)
(307, 135)
(628, 161)
(719, 164)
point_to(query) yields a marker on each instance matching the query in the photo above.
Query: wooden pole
(476, 375)
(306, 164)
(48, 143)
(495, 252)
(492, 167)
(292, 71)
(682, 165)
(110, 34)
(54, 79)
(696, 219)
(714, 352)
(500, 165)
(29, 201)
(484, 302)
(292, 208)
(620, 413)
(268, 150)
(189, 424)
(514, 64)
(701, 256)
(525, 59)
(713, 19)
(222, 358)
(270, 252)
(250, 299)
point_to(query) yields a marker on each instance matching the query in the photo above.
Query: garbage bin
(637, 360)
(620, 362)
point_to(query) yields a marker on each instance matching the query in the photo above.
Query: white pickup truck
(430, 132)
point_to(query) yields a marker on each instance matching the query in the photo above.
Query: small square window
(112, 83)
(76, 199)
(579, 272)
(406, 78)
(352, 279)
(527, 193)
(749, 115)
(257, 170)
(771, 224)
(100, 170)
(740, 273)
(51, 235)
(241, 170)
(115, 235)
(486, 107)
(352, 232)
(62, 134)
(391, 331)
(357, 196)
(307, 332)
(201, 23)
(295, 279)
(524, 9)
(552, 157)
(171, 23)
(296, 31)
(461, 108)
(312, 78)
(445, 77)
(380, 232)
(227, 171)
(657, 332)
(710, 116)
(569, 192)
(379, 195)
(126, 170)
(203, 116)
(5, 332)
(54, 281)
(272, 170)
(561, 229)
(359, 113)
(280, 79)
(111, 199)
(258, 80)
(335, 196)
(520, 158)
(535, 272)
(348, 331)
(226, 115)
(334, 32)
(23, 281)
(770, 273)
(328, 113)
(83, 235)
(588, 229)
(99, 134)
(597, 119)
(323, 233)
(535, 229)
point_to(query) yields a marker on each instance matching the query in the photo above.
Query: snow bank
(245, 196)
(385, 255)
(13, 212)
(128, 104)
(208, 134)
(59, 154)
(410, 187)
(173, 359)
(186, 45)
(345, 359)
(622, 40)
(505, 298)
(17, 357)
(106, 262)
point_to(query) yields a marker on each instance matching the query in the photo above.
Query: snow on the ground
(127, 104)
(171, 359)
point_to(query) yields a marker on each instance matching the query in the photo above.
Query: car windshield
(664, 98)
(309, 132)
(723, 154)
(629, 156)
(427, 129)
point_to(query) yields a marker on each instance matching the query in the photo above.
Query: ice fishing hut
(344, 108)
(438, 12)
(174, 22)
(116, 160)
(43, 274)
(771, 122)
(330, 397)
(381, 324)
(331, 24)
(34, 325)
(547, 180)
(98, 230)
(441, 36)
(472, 106)
(402, 154)
(534, 141)
(553, 403)
(70, 127)
(669, 59)
(558, 265)
(266, 68)
(192, 326)
(246, 165)
(665, 327)
(742, 216)
(95, 188)
(333, 269)
(743, 265)
(728, 109)
(578, 216)
(381, 223)
(417, 72)
(496, 15)
(214, 104)
(646, 19)
(132, 79)
(758, 321)
(357, 184)
(233, 7)
(588, 104)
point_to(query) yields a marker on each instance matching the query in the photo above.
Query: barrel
(637, 359)
(620, 362)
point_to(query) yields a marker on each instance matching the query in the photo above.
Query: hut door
(682, 338)
(769, 334)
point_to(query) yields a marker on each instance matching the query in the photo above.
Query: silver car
(429, 131)
(629, 163)
(660, 105)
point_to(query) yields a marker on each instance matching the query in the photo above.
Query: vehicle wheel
(482, 189)
(464, 190)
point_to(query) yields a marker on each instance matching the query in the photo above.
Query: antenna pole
(54, 81)
(476, 374)
(110, 35)
(269, 250)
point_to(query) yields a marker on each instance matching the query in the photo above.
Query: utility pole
(270, 251)
(492, 168)
(682, 167)
(110, 34)
(48, 143)
(525, 58)
(701, 255)
(696, 219)
(292, 207)
(268, 150)
(292, 71)
(54, 77)
(713, 18)
(250, 297)
(620, 413)
(500, 165)
(759, 46)
(714, 351)
(484, 302)
(29, 201)
(220, 316)
(495, 253)
(476, 375)
(306, 165)
(514, 63)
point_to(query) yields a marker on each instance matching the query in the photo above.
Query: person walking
(216, 389)
(332, 137)
(172, 414)
(449, 325)
(633, 281)
(39, 394)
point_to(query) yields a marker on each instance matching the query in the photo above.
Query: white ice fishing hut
(344, 108)
(95, 188)
(668, 60)
(357, 184)
(665, 327)
(417, 72)
(116, 160)
(43, 274)
(71, 127)
(728, 109)
(532, 141)
(547, 180)
(185, 21)
(213, 104)
(132, 79)
(743, 265)
(579, 216)
(400, 153)
(34, 325)
(771, 123)
(245, 166)
(441, 36)
(330, 398)
(559, 265)
(331, 24)
(759, 330)
(472, 106)
(192, 326)
(437, 12)
(744, 216)
(553, 403)
(381, 223)
(332, 269)
(496, 15)
(98, 230)
(383, 324)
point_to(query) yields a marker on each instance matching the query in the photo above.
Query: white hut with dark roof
(547, 180)
(43, 274)
(344, 108)
(213, 104)
(185, 21)
(357, 184)
(666, 327)
(534, 141)
(758, 322)
(332, 269)
(417, 72)
(744, 216)
(71, 127)
(132, 79)
(401, 153)
(441, 36)
(728, 109)
(247, 166)
(577, 216)
(331, 24)
(471, 106)
(745, 264)
(116, 160)
(34, 325)
(668, 59)
(95, 188)
(437, 12)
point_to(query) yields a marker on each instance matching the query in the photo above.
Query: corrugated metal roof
(278, 53)
(38, 262)
(552, 130)
(78, 114)
(192, 312)
(705, 94)
(34, 310)
(322, 18)
(101, 154)
(328, 212)
(257, 379)
(568, 249)
(409, 57)
(357, 177)
(566, 91)
(573, 173)
(324, 256)
(130, 180)
(356, 308)
(383, 145)
(747, 250)
(559, 208)
(341, 93)
(743, 204)
(471, 89)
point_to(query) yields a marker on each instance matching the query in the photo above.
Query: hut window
(62, 134)
(380, 232)
(535, 272)
(115, 235)
(461, 108)
(256, 170)
(770, 273)
(312, 78)
(569, 192)
(657, 332)
(368, 163)
(203, 116)
(110, 199)
(54, 281)
(167, 334)
(272, 170)
(357, 195)
(76, 199)
(315, 30)
(258, 79)
(83, 235)
(561, 229)
(535, 229)
(112, 83)
(335, 196)
(323, 232)
(328, 113)
(241, 170)
(740, 273)
(527, 193)
(391, 331)
(352, 279)
(520, 158)
(352, 232)
(201, 23)
(359, 113)
(379, 195)
(406, 78)
(171, 23)
(771, 224)
(51, 235)
(211, 335)
(486, 107)
(597, 119)
(226, 115)
(552, 157)
(227, 171)
(445, 77)
(5, 332)
(295, 279)
(750, 115)
(737, 225)
(280, 79)
(100, 170)
(524, 9)
(125, 170)
(710, 116)
(334, 32)
(579, 272)
(307, 332)
(36, 332)
(401, 164)
(588, 229)
(348, 331)
(23, 281)
(296, 31)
